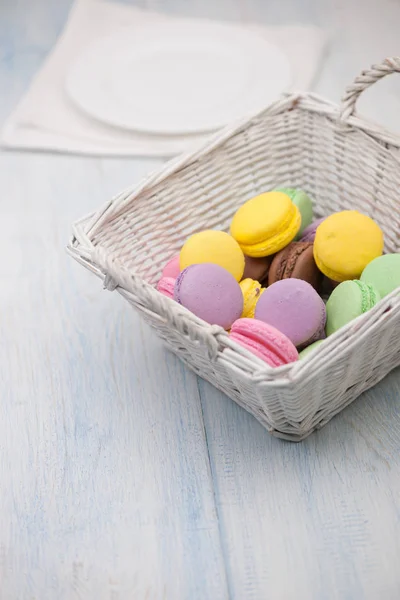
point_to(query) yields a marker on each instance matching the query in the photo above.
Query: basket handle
(365, 80)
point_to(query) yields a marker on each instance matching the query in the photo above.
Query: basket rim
(86, 226)
(82, 249)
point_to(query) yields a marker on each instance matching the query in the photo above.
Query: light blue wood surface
(123, 477)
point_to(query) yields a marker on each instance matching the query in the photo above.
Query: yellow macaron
(216, 247)
(266, 224)
(252, 291)
(345, 243)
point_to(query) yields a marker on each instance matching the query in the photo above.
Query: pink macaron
(264, 341)
(171, 269)
(211, 293)
(166, 286)
(293, 307)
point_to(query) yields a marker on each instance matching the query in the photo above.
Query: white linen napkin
(45, 118)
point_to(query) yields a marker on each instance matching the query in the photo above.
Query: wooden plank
(320, 519)
(313, 520)
(106, 487)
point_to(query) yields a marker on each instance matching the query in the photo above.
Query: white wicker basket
(342, 161)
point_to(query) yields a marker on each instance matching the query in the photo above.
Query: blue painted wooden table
(123, 476)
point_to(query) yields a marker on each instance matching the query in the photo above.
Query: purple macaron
(211, 293)
(293, 307)
(308, 234)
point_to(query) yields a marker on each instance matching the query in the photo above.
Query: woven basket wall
(343, 162)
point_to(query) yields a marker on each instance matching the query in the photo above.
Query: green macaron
(309, 349)
(303, 203)
(347, 302)
(383, 273)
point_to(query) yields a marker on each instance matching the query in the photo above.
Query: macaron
(216, 247)
(303, 203)
(172, 268)
(347, 302)
(383, 273)
(166, 286)
(309, 232)
(266, 224)
(345, 243)
(251, 291)
(256, 268)
(293, 307)
(211, 293)
(309, 349)
(296, 260)
(264, 341)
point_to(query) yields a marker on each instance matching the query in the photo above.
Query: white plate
(176, 78)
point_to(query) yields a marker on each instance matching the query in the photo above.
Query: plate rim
(98, 113)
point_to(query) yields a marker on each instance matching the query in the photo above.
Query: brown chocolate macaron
(297, 261)
(327, 287)
(256, 268)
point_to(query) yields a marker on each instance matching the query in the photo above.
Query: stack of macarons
(265, 280)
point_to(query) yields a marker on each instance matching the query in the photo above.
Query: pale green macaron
(383, 273)
(303, 203)
(309, 349)
(347, 302)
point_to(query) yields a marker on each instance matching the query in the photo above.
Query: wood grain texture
(123, 477)
(104, 460)
(106, 487)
